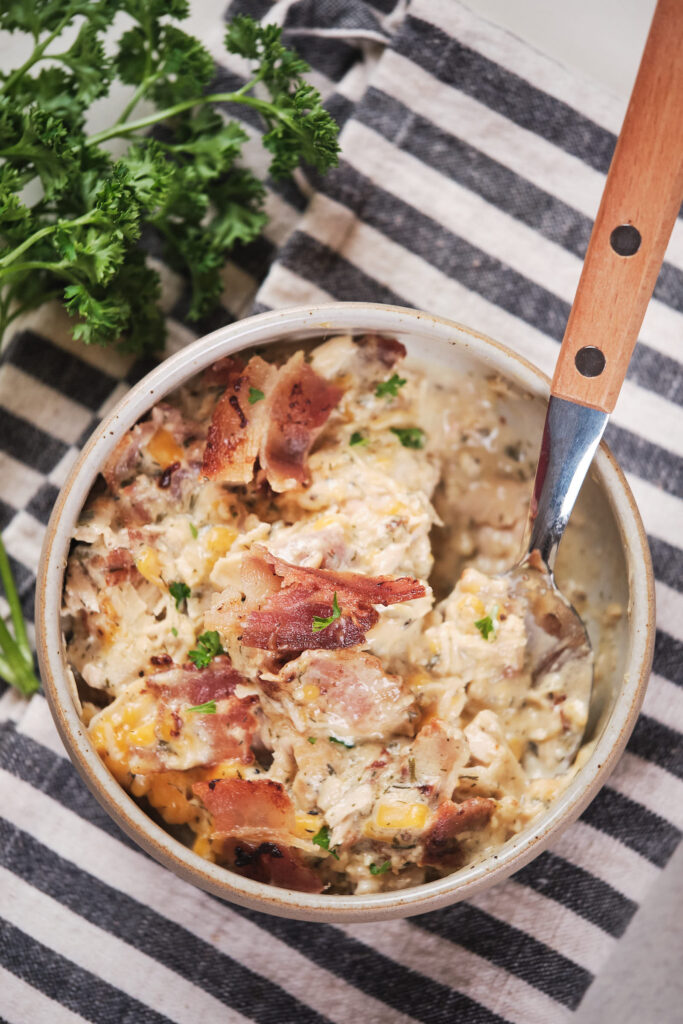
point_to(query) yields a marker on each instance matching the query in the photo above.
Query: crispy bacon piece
(221, 736)
(441, 846)
(271, 863)
(119, 566)
(122, 462)
(298, 409)
(387, 351)
(288, 597)
(256, 820)
(239, 804)
(238, 426)
(355, 697)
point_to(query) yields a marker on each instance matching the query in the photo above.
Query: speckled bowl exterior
(434, 338)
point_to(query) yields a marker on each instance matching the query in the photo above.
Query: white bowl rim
(330, 318)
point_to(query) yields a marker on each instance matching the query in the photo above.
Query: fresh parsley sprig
(208, 647)
(79, 239)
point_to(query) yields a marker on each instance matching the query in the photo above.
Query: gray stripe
(148, 932)
(497, 184)
(581, 892)
(72, 986)
(510, 949)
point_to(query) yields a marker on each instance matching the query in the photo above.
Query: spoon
(639, 206)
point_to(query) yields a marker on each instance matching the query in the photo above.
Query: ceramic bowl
(614, 566)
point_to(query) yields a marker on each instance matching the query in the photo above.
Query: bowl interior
(604, 521)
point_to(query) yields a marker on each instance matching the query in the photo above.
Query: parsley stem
(49, 229)
(55, 268)
(38, 54)
(118, 130)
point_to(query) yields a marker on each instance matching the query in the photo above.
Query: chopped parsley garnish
(322, 839)
(174, 631)
(207, 708)
(379, 869)
(180, 592)
(312, 739)
(208, 646)
(410, 437)
(357, 439)
(389, 388)
(319, 623)
(194, 531)
(255, 396)
(486, 626)
(341, 743)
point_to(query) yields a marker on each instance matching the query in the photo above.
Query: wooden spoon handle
(642, 197)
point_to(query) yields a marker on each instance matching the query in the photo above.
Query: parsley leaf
(410, 437)
(357, 439)
(379, 869)
(389, 388)
(255, 396)
(322, 839)
(342, 743)
(485, 626)
(208, 647)
(76, 236)
(208, 708)
(319, 623)
(312, 739)
(180, 592)
(194, 531)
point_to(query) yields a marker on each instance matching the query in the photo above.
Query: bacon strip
(236, 804)
(387, 351)
(256, 819)
(441, 846)
(222, 736)
(283, 620)
(298, 409)
(237, 425)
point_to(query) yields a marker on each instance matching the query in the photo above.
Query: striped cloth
(472, 167)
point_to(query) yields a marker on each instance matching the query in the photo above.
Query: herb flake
(208, 647)
(194, 531)
(389, 388)
(322, 839)
(179, 592)
(379, 869)
(357, 439)
(485, 626)
(255, 396)
(207, 708)
(342, 743)
(320, 623)
(410, 437)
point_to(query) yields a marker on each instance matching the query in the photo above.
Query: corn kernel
(307, 825)
(202, 846)
(401, 815)
(164, 449)
(220, 539)
(310, 692)
(144, 735)
(471, 606)
(149, 566)
(223, 770)
(169, 800)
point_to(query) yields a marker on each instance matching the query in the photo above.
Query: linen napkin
(470, 172)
